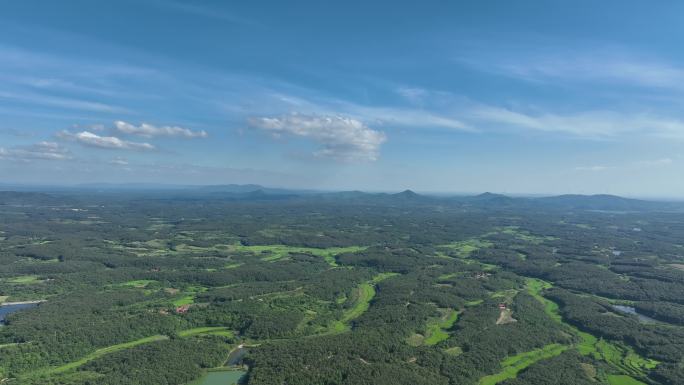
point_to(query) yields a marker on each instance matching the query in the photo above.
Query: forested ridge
(148, 289)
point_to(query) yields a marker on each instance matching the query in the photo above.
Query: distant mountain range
(253, 192)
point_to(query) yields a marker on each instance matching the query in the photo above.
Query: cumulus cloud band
(148, 131)
(87, 138)
(341, 138)
(38, 151)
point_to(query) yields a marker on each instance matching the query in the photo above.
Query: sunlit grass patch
(213, 330)
(614, 379)
(25, 280)
(415, 339)
(474, 303)
(138, 283)
(101, 352)
(525, 235)
(463, 249)
(454, 351)
(185, 300)
(514, 364)
(276, 252)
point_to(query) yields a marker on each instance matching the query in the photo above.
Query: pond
(223, 377)
(630, 310)
(9, 308)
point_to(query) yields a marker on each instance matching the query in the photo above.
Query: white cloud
(38, 151)
(341, 138)
(148, 130)
(381, 115)
(87, 138)
(119, 162)
(409, 118)
(62, 102)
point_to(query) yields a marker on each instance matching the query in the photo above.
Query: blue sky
(504, 96)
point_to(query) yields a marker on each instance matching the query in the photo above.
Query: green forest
(145, 288)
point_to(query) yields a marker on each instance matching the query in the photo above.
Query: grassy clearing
(363, 294)
(435, 335)
(415, 339)
(383, 276)
(277, 252)
(463, 249)
(213, 330)
(185, 300)
(622, 357)
(534, 288)
(25, 280)
(170, 247)
(514, 364)
(454, 351)
(437, 331)
(474, 303)
(525, 236)
(505, 295)
(101, 352)
(622, 380)
(138, 283)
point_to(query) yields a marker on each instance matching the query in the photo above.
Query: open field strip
(437, 331)
(623, 358)
(104, 351)
(215, 330)
(365, 293)
(276, 252)
(514, 364)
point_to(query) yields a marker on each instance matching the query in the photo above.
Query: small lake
(630, 310)
(223, 377)
(11, 308)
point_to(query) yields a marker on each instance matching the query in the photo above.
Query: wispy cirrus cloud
(148, 130)
(119, 161)
(602, 65)
(61, 102)
(586, 124)
(90, 139)
(599, 68)
(210, 12)
(39, 151)
(341, 138)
